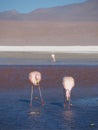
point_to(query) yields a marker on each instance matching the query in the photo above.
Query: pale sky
(25, 6)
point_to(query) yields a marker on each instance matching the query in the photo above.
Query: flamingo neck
(67, 94)
(37, 80)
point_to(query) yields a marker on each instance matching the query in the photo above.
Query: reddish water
(17, 76)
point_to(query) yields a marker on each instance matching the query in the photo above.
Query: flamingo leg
(31, 96)
(69, 103)
(42, 101)
(64, 98)
(70, 99)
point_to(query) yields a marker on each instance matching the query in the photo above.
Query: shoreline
(44, 58)
(50, 49)
(41, 55)
(24, 58)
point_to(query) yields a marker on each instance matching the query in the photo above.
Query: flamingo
(53, 57)
(68, 83)
(35, 78)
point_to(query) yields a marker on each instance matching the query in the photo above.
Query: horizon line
(53, 49)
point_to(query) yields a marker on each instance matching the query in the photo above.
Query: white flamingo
(35, 78)
(68, 83)
(53, 57)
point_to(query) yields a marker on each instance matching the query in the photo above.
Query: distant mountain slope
(87, 11)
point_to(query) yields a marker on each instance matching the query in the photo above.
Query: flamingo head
(35, 77)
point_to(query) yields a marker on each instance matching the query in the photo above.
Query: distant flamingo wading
(68, 83)
(35, 78)
(53, 57)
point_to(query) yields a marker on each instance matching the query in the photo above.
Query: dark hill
(86, 11)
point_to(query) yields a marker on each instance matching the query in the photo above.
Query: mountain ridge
(86, 11)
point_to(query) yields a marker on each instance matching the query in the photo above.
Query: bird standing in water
(53, 57)
(35, 78)
(68, 83)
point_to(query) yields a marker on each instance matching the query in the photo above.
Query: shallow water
(16, 113)
(48, 61)
(15, 110)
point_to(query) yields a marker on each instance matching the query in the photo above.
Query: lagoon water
(16, 114)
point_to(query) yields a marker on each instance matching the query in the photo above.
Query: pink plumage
(35, 77)
(68, 83)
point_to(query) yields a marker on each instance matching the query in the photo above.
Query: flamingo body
(68, 83)
(53, 57)
(35, 77)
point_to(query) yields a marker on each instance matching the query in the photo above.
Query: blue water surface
(16, 114)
